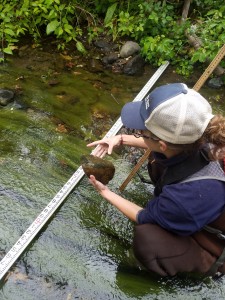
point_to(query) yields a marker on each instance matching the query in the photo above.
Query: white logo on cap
(147, 103)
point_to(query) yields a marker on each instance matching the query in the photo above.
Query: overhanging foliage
(156, 25)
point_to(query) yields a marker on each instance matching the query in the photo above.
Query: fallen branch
(194, 40)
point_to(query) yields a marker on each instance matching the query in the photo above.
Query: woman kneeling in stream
(182, 229)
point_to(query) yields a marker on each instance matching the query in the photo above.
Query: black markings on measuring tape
(43, 217)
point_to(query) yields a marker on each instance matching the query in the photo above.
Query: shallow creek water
(83, 252)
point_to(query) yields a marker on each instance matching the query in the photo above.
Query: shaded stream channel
(83, 252)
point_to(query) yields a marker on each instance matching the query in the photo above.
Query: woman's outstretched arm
(128, 208)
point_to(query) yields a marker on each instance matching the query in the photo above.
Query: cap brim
(131, 117)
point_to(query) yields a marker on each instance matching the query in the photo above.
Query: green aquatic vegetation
(84, 250)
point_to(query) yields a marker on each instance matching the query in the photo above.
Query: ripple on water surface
(84, 250)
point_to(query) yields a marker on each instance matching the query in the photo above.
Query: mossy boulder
(102, 169)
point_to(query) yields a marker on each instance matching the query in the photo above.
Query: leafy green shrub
(155, 24)
(40, 17)
(158, 27)
(212, 33)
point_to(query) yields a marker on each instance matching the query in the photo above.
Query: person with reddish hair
(182, 229)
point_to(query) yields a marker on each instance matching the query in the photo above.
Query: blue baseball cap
(172, 112)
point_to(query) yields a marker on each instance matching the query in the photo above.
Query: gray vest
(212, 171)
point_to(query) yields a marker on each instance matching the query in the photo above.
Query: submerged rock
(103, 170)
(135, 65)
(215, 82)
(6, 96)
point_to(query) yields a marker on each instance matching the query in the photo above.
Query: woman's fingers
(104, 152)
(92, 179)
(96, 184)
(99, 151)
(95, 143)
(104, 146)
(110, 149)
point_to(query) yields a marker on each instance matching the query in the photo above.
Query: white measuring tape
(47, 212)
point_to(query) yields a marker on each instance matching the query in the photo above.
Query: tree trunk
(185, 10)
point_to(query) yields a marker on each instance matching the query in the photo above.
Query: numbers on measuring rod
(35, 227)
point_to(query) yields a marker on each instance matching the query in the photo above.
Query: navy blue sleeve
(185, 208)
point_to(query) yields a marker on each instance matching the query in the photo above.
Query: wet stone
(134, 66)
(103, 170)
(6, 96)
(129, 48)
(215, 83)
